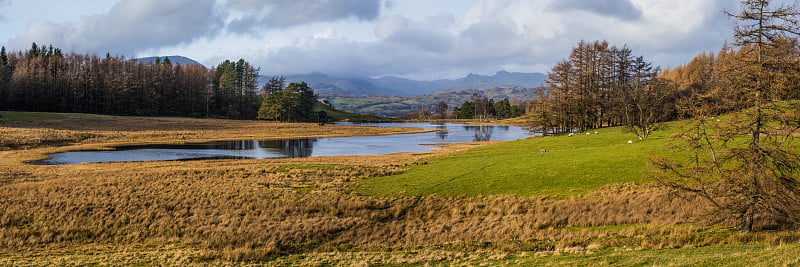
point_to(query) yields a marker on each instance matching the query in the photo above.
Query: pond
(300, 148)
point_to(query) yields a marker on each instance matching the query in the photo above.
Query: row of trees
(603, 85)
(47, 80)
(482, 108)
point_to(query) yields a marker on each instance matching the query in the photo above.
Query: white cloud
(511, 34)
(333, 36)
(259, 15)
(130, 26)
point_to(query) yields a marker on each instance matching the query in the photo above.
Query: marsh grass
(308, 211)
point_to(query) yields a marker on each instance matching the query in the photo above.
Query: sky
(418, 39)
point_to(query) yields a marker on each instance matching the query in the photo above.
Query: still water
(300, 148)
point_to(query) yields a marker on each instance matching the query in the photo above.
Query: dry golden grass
(222, 211)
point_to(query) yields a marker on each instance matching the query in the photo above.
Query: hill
(391, 86)
(338, 115)
(174, 59)
(325, 84)
(391, 106)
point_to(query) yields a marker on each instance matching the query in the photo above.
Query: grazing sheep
(570, 134)
(596, 132)
(630, 141)
(588, 133)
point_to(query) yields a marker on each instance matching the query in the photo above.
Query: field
(526, 167)
(581, 200)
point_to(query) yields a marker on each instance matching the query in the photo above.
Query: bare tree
(645, 105)
(441, 109)
(746, 164)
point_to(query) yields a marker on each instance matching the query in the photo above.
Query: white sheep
(630, 141)
(571, 134)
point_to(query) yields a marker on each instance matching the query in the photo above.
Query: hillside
(338, 115)
(391, 106)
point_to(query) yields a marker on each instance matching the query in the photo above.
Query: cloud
(3, 3)
(429, 35)
(268, 14)
(622, 9)
(515, 35)
(128, 27)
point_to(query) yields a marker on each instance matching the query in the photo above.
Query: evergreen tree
(465, 111)
(295, 103)
(3, 56)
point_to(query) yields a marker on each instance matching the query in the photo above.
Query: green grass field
(722, 255)
(555, 165)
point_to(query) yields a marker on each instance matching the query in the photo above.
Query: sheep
(630, 141)
(571, 134)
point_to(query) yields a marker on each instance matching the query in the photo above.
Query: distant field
(549, 166)
(11, 116)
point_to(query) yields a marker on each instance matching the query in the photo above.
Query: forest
(45, 79)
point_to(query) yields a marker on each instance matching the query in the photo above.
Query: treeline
(483, 108)
(45, 79)
(717, 83)
(601, 85)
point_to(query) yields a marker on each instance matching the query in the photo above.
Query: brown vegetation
(257, 209)
(245, 210)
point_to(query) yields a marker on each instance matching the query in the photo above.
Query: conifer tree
(746, 164)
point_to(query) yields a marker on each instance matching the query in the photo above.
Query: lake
(300, 148)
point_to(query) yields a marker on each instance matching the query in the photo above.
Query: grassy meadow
(580, 200)
(544, 166)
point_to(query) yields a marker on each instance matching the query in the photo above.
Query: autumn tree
(646, 104)
(746, 164)
(587, 89)
(44, 78)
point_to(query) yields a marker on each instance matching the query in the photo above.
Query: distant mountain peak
(173, 59)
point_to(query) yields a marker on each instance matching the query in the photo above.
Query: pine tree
(3, 56)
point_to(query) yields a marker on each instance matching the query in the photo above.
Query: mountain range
(389, 86)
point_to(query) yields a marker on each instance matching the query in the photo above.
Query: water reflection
(298, 148)
(443, 133)
(482, 132)
(294, 148)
